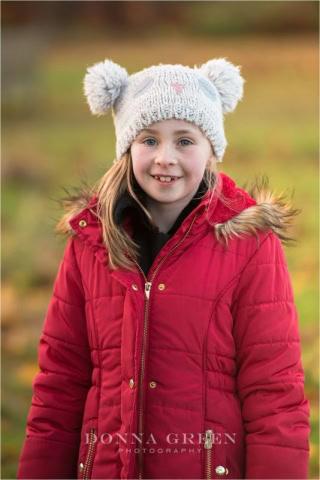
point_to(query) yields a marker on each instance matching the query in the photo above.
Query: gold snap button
(81, 466)
(83, 223)
(161, 286)
(153, 384)
(131, 383)
(220, 470)
(135, 287)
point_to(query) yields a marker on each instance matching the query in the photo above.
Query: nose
(165, 156)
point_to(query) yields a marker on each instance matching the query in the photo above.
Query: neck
(164, 215)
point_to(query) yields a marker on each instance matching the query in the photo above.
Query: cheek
(139, 165)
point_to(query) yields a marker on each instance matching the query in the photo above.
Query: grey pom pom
(103, 84)
(227, 80)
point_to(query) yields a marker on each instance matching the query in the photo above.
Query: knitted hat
(198, 95)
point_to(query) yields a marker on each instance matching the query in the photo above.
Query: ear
(212, 158)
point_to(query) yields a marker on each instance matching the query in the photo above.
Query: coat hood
(238, 210)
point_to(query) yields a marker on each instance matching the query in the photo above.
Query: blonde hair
(117, 180)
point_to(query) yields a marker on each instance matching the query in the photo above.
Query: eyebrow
(179, 132)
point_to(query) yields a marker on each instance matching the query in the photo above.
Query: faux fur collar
(264, 210)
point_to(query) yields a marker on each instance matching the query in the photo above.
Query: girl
(171, 344)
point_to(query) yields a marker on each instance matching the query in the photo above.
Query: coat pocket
(87, 450)
(215, 451)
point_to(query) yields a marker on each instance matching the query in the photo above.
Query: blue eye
(153, 140)
(149, 140)
(185, 140)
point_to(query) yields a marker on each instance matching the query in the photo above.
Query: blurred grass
(51, 140)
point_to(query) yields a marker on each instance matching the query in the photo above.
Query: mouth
(165, 180)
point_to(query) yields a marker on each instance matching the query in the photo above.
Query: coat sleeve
(51, 446)
(270, 376)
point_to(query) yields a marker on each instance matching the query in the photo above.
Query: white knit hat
(198, 95)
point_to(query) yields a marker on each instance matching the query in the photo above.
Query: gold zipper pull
(208, 439)
(147, 288)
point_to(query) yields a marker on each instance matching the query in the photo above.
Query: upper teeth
(165, 179)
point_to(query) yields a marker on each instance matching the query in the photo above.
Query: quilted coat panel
(208, 368)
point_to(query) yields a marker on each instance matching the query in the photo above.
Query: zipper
(147, 289)
(208, 448)
(89, 456)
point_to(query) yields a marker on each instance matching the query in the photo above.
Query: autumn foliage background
(50, 140)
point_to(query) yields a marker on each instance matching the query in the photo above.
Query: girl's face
(170, 148)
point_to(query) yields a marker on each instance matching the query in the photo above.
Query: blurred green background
(50, 140)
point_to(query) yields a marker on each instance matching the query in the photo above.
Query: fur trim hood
(263, 210)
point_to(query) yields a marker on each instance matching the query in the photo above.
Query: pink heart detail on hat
(177, 86)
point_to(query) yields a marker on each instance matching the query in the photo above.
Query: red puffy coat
(193, 372)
